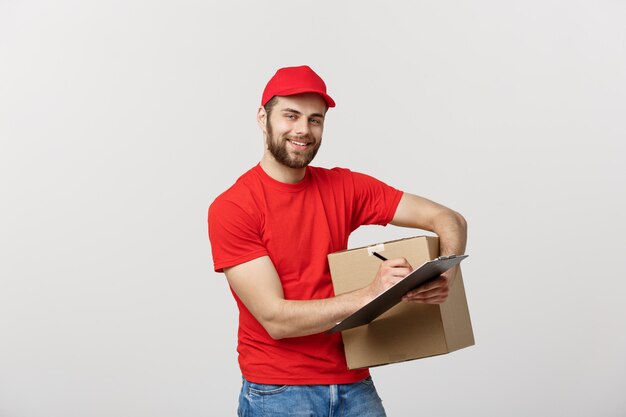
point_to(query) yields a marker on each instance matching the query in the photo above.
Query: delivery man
(270, 234)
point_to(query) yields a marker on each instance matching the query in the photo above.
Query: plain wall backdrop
(120, 122)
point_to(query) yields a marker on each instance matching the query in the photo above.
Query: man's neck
(280, 172)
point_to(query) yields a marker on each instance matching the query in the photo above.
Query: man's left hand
(433, 292)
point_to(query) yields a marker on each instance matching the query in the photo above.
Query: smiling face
(293, 129)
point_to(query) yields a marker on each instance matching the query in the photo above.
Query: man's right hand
(389, 273)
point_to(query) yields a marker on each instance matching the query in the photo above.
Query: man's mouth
(299, 143)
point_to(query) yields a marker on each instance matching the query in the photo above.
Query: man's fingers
(430, 297)
(390, 272)
(397, 263)
(397, 268)
(395, 275)
(438, 282)
(429, 300)
(400, 272)
(434, 292)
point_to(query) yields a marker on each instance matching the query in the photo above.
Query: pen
(379, 256)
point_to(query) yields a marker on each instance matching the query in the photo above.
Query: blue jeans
(344, 400)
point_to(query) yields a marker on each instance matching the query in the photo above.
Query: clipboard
(393, 295)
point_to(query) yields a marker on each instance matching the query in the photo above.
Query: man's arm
(450, 226)
(258, 286)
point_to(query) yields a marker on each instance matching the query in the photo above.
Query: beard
(294, 159)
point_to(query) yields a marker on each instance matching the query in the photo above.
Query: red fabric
(296, 225)
(295, 80)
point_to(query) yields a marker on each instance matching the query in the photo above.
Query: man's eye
(316, 121)
(290, 116)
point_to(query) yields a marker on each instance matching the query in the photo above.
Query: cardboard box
(408, 330)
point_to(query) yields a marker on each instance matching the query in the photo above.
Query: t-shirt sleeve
(374, 201)
(234, 235)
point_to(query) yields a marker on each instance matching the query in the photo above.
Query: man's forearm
(300, 318)
(258, 286)
(293, 318)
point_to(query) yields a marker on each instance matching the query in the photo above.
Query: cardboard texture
(407, 331)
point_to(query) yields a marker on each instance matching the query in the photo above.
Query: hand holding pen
(389, 273)
(433, 292)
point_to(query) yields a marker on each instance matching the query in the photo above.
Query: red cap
(295, 80)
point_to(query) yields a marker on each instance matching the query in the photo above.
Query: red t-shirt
(297, 226)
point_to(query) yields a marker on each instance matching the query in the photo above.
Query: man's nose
(302, 126)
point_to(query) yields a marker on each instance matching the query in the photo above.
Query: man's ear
(261, 119)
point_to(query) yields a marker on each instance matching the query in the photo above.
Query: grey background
(120, 121)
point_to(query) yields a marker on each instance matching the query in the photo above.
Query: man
(270, 234)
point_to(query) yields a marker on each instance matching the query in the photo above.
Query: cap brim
(293, 91)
